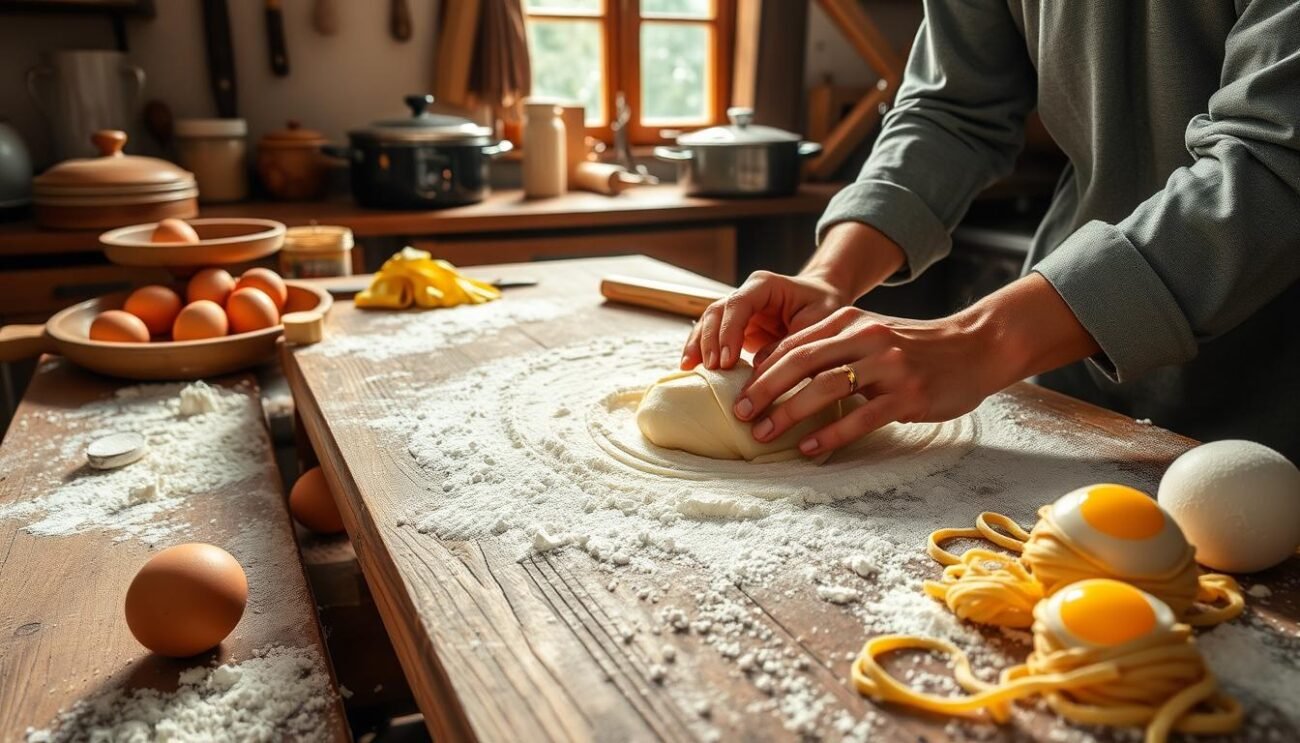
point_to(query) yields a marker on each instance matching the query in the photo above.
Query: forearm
(854, 258)
(1026, 328)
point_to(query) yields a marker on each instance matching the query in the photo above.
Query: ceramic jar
(291, 165)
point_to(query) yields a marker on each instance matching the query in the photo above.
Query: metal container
(81, 92)
(424, 162)
(742, 159)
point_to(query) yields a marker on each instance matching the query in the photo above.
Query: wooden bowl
(222, 241)
(67, 334)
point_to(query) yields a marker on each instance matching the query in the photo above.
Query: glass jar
(316, 251)
(216, 152)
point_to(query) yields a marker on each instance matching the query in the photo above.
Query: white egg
(1238, 502)
(1122, 528)
(1103, 613)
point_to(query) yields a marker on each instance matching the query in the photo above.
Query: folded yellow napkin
(415, 278)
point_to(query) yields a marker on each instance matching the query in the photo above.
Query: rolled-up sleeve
(956, 127)
(1222, 238)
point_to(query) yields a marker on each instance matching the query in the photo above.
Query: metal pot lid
(742, 131)
(113, 171)
(426, 126)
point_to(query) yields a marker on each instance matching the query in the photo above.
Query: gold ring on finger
(853, 378)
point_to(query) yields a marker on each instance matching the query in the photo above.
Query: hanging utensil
(399, 20)
(221, 57)
(325, 17)
(275, 38)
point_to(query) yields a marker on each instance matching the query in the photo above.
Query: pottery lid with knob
(113, 173)
(293, 135)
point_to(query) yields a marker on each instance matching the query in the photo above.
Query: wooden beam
(849, 133)
(866, 38)
(455, 51)
(749, 26)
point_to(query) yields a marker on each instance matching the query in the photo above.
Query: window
(670, 58)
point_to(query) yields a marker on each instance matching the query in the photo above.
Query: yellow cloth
(415, 278)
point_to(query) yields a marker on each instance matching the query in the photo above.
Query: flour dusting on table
(280, 693)
(540, 453)
(201, 439)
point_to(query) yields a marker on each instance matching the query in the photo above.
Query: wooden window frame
(621, 28)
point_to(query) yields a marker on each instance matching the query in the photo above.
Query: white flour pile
(540, 452)
(391, 334)
(201, 439)
(280, 693)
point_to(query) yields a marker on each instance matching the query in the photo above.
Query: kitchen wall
(335, 82)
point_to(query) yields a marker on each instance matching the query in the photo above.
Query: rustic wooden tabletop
(63, 633)
(502, 648)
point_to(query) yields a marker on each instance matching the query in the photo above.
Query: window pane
(563, 6)
(567, 59)
(674, 72)
(676, 8)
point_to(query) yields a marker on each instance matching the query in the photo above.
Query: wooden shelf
(503, 211)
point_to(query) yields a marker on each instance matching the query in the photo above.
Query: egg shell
(186, 599)
(268, 281)
(1238, 502)
(172, 230)
(200, 320)
(156, 305)
(118, 326)
(312, 503)
(249, 310)
(212, 284)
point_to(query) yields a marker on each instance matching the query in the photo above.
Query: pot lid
(211, 128)
(426, 126)
(113, 170)
(741, 131)
(292, 134)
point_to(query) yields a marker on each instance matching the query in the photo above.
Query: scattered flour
(391, 334)
(280, 693)
(201, 439)
(1257, 666)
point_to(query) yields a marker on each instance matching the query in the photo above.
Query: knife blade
(275, 38)
(221, 57)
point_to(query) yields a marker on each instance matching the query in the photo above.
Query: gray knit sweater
(1174, 235)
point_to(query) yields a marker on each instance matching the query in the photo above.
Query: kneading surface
(692, 411)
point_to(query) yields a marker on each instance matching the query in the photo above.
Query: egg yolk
(1106, 612)
(1121, 512)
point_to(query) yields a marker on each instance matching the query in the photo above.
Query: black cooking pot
(424, 162)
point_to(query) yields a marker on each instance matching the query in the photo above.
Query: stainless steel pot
(742, 159)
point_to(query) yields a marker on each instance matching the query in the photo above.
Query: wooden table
(63, 634)
(499, 649)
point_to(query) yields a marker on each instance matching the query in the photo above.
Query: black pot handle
(339, 151)
(418, 103)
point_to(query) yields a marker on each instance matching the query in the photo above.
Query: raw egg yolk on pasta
(1104, 613)
(1122, 528)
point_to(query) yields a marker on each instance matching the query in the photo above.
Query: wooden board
(63, 634)
(505, 210)
(500, 649)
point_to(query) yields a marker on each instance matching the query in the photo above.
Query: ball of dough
(1238, 502)
(692, 411)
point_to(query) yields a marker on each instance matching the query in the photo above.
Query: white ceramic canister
(216, 152)
(545, 160)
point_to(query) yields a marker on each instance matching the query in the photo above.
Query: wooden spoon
(325, 17)
(400, 20)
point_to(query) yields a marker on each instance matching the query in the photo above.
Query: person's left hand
(908, 370)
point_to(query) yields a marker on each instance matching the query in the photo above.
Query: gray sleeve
(1222, 238)
(956, 127)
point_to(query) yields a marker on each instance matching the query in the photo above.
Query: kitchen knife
(275, 38)
(399, 20)
(221, 57)
(344, 288)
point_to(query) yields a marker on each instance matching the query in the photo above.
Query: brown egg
(312, 504)
(200, 320)
(268, 281)
(172, 230)
(117, 326)
(249, 310)
(156, 305)
(186, 599)
(212, 284)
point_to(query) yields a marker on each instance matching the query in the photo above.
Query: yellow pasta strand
(991, 588)
(1155, 681)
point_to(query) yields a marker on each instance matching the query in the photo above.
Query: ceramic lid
(741, 131)
(199, 128)
(112, 172)
(426, 126)
(292, 135)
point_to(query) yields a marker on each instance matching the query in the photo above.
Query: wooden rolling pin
(678, 299)
(606, 178)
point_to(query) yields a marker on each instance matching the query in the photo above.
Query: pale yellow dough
(692, 411)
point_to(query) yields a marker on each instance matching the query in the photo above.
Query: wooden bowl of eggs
(178, 243)
(215, 324)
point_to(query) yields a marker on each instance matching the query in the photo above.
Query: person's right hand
(764, 310)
